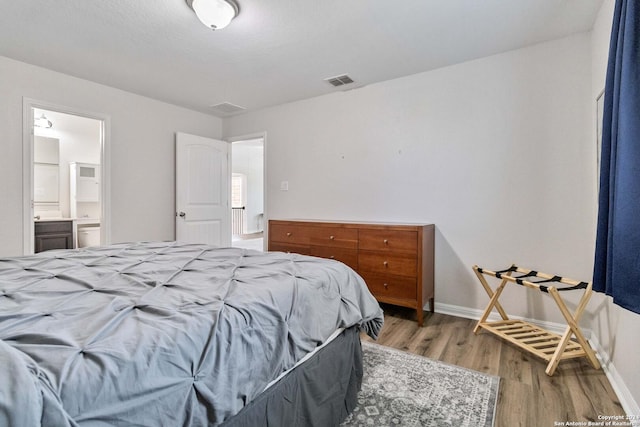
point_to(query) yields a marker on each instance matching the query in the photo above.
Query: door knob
(182, 214)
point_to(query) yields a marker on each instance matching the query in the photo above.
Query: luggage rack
(544, 344)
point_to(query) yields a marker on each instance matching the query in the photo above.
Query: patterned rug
(403, 389)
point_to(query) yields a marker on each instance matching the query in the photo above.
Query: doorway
(247, 192)
(65, 179)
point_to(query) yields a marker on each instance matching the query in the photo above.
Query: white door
(202, 190)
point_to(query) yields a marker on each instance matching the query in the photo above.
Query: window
(238, 190)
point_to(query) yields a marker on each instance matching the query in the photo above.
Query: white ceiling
(275, 51)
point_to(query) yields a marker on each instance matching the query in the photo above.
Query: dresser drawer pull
(385, 241)
(385, 285)
(332, 237)
(386, 263)
(289, 234)
(332, 257)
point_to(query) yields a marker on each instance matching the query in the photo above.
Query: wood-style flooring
(527, 396)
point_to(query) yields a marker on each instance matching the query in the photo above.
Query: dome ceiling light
(215, 14)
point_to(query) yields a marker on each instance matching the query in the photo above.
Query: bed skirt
(320, 392)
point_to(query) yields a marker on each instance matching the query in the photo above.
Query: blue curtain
(617, 257)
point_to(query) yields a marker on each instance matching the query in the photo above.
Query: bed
(177, 334)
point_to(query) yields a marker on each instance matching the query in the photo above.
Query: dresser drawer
(347, 256)
(391, 286)
(334, 236)
(289, 233)
(388, 264)
(288, 247)
(388, 240)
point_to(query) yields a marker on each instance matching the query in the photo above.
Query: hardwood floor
(527, 397)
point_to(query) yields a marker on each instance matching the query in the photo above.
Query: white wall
(81, 148)
(497, 152)
(142, 150)
(617, 329)
(248, 159)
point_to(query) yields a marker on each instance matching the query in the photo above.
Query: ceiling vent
(338, 81)
(226, 109)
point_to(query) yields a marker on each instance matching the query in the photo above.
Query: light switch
(284, 185)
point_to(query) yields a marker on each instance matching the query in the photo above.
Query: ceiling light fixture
(215, 14)
(42, 122)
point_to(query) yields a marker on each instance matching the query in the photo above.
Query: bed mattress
(162, 333)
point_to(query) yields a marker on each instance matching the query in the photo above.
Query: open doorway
(247, 193)
(65, 184)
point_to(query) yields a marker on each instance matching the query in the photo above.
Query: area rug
(403, 389)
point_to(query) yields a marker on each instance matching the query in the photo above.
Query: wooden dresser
(395, 260)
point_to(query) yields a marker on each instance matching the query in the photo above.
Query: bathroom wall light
(215, 14)
(42, 122)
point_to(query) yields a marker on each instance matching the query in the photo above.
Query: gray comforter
(162, 334)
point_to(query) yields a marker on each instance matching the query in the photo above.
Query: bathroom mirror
(46, 170)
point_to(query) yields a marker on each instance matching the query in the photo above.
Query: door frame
(28, 104)
(246, 137)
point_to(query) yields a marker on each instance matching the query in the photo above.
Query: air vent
(339, 80)
(227, 108)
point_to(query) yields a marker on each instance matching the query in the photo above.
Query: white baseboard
(475, 314)
(627, 401)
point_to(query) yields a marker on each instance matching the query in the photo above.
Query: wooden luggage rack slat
(544, 344)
